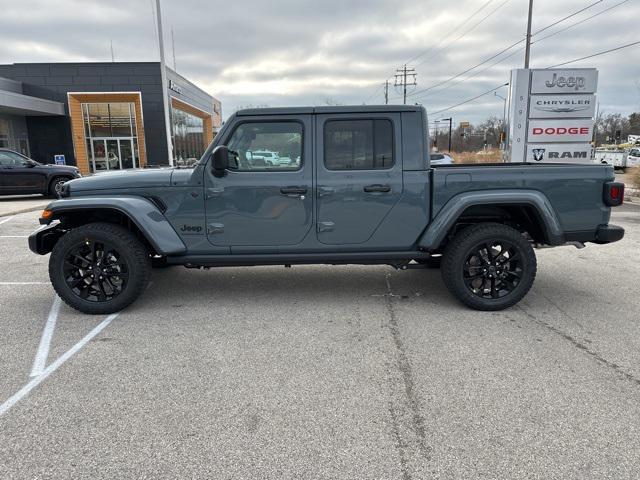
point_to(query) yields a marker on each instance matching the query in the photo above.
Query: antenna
(112, 57)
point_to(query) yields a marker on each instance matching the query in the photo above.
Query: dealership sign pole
(551, 115)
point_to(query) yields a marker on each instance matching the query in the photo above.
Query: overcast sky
(303, 52)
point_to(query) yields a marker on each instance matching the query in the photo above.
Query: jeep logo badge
(191, 228)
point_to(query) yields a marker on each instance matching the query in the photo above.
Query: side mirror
(220, 160)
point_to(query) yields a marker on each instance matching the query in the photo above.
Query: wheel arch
(526, 210)
(137, 214)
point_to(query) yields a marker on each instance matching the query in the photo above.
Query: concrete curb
(24, 210)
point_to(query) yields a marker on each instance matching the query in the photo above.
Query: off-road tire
(54, 185)
(458, 250)
(132, 252)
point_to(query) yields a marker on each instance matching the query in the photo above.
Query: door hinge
(214, 192)
(214, 228)
(325, 227)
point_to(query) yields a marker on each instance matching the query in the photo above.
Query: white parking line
(24, 283)
(40, 361)
(14, 236)
(24, 391)
(5, 220)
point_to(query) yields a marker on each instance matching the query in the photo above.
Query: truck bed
(574, 190)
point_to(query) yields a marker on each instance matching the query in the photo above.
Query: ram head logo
(538, 154)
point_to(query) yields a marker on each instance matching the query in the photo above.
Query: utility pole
(163, 80)
(527, 53)
(386, 92)
(450, 120)
(401, 80)
(112, 57)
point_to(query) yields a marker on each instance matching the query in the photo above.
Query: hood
(122, 179)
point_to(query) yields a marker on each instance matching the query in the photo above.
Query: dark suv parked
(20, 175)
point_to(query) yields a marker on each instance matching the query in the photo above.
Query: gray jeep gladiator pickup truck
(352, 185)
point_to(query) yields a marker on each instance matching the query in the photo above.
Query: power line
(468, 69)
(568, 17)
(470, 99)
(596, 54)
(580, 21)
(502, 51)
(520, 49)
(469, 30)
(415, 57)
(462, 80)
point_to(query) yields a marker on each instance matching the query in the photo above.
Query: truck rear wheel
(489, 266)
(99, 268)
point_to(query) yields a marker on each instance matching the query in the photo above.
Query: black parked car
(20, 175)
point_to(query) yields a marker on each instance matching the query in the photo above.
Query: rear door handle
(293, 191)
(377, 189)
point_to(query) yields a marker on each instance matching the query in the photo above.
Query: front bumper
(42, 240)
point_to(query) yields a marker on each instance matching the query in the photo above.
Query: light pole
(163, 81)
(503, 130)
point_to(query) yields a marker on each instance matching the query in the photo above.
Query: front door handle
(377, 189)
(293, 191)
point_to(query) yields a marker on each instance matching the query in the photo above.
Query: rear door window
(358, 144)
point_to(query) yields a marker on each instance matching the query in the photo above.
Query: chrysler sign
(579, 80)
(560, 131)
(562, 106)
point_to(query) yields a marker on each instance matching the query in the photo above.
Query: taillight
(613, 193)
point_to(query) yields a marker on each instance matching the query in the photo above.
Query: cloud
(302, 52)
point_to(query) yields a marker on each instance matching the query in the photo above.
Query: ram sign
(559, 153)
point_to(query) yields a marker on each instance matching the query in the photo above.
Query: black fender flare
(436, 232)
(142, 212)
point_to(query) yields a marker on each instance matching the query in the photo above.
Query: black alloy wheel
(493, 269)
(99, 268)
(95, 271)
(489, 266)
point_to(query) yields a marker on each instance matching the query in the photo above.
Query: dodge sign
(560, 130)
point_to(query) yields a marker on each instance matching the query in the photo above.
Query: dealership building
(104, 116)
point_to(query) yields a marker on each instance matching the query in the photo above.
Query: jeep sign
(562, 106)
(579, 80)
(559, 153)
(560, 131)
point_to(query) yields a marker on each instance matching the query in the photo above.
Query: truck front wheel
(99, 268)
(489, 266)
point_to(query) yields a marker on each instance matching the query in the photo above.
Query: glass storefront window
(188, 136)
(111, 135)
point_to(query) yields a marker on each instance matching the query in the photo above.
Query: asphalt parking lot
(324, 373)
